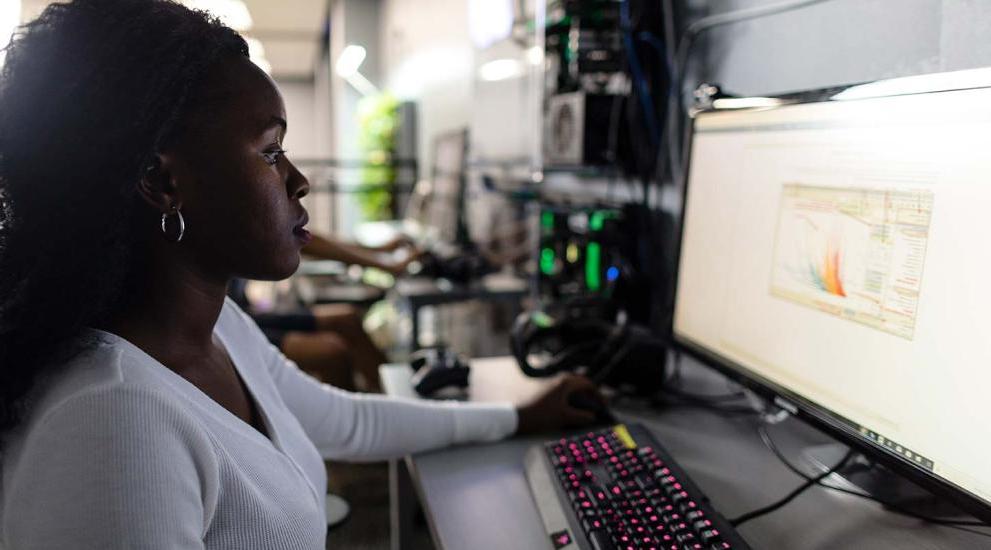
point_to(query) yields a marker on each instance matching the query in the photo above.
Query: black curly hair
(90, 92)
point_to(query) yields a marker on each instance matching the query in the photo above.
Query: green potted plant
(378, 121)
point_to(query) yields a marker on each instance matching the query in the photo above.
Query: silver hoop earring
(182, 224)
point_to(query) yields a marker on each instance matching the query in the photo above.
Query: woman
(138, 407)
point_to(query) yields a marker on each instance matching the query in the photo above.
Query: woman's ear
(158, 184)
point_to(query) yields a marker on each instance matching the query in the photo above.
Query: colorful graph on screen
(855, 253)
(826, 273)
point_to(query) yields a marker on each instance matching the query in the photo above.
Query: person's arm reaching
(328, 248)
(399, 241)
(366, 427)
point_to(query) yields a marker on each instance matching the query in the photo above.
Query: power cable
(640, 85)
(740, 520)
(765, 437)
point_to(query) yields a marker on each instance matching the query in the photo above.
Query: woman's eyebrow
(277, 121)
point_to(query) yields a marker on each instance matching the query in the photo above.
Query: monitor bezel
(803, 408)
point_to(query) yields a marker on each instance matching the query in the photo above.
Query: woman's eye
(272, 157)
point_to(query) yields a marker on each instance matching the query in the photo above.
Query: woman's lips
(302, 234)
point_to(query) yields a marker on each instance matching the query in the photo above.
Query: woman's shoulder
(109, 378)
(106, 399)
(110, 438)
(113, 409)
(106, 364)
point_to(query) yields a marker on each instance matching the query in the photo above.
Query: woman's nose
(298, 185)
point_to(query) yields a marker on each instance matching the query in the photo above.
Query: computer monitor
(836, 254)
(444, 210)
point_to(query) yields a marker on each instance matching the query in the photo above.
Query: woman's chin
(276, 271)
(290, 267)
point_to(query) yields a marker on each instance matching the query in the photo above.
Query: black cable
(765, 436)
(671, 110)
(600, 376)
(740, 520)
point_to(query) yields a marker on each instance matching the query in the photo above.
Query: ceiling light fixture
(351, 58)
(500, 69)
(489, 21)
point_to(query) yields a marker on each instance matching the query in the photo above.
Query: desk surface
(478, 497)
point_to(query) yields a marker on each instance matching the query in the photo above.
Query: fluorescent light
(500, 69)
(362, 84)
(232, 13)
(350, 59)
(956, 80)
(429, 68)
(489, 21)
(746, 102)
(352, 56)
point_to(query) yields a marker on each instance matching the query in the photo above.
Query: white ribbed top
(121, 452)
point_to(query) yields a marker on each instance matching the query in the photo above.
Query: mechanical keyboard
(617, 488)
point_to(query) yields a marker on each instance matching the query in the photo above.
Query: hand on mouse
(552, 410)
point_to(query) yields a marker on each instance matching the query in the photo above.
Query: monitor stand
(864, 475)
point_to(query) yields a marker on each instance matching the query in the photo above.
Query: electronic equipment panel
(835, 254)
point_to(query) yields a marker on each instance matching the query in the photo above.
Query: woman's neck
(173, 316)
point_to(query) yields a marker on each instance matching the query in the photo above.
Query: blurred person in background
(329, 341)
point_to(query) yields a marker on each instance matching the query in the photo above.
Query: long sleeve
(112, 469)
(350, 426)
(361, 427)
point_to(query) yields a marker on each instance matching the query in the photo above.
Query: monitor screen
(445, 204)
(839, 253)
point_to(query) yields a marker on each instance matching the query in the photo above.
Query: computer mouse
(446, 370)
(422, 357)
(433, 355)
(586, 402)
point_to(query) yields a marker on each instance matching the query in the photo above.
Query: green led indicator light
(547, 261)
(598, 219)
(547, 223)
(547, 220)
(593, 277)
(542, 320)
